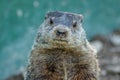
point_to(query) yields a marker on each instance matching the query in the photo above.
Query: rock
(109, 55)
(16, 77)
(117, 31)
(115, 49)
(101, 38)
(103, 72)
(115, 39)
(113, 69)
(98, 45)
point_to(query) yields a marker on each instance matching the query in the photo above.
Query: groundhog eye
(51, 21)
(74, 24)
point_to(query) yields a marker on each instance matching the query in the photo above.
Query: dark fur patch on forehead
(54, 14)
(72, 16)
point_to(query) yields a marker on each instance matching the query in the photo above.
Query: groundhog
(61, 50)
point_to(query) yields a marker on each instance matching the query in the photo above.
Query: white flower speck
(19, 13)
(35, 3)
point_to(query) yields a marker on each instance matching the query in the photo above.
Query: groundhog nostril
(61, 34)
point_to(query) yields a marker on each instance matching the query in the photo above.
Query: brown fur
(48, 64)
(69, 59)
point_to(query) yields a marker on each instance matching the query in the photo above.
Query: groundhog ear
(46, 16)
(81, 18)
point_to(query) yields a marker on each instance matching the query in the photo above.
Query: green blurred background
(20, 19)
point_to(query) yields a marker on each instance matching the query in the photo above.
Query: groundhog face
(62, 27)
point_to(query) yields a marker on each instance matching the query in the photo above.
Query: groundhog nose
(61, 33)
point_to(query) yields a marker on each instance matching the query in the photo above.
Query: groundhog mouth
(60, 40)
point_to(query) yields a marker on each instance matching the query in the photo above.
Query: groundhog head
(61, 28)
